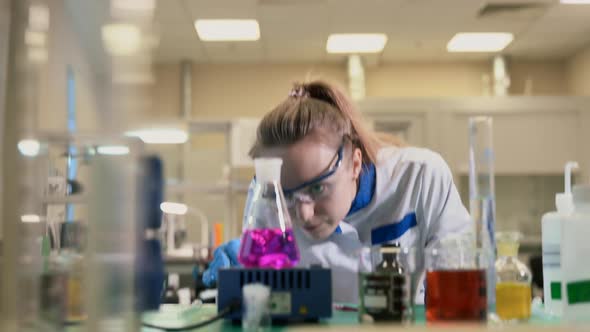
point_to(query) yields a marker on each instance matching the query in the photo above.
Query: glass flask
(267, 239)
(513, 287)
(456, 281)
(385, 286)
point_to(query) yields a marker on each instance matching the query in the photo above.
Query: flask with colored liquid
(267, 239)
(456, 284)
(513, 279)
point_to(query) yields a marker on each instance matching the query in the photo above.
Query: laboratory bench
(347, 321)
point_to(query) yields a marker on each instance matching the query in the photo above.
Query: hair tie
(298, 92)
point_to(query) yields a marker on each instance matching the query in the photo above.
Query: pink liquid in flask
(268, 248)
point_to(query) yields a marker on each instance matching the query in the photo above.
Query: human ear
(357, 162)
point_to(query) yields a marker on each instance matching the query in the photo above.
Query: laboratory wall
(463, 79)
(251, 90)
(578, 71)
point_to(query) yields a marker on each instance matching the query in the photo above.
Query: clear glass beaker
(268, 240)
(513, 279)
(455, 281)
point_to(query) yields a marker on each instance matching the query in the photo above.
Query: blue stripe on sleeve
(393, 231)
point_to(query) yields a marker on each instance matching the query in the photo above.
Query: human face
(319, 181)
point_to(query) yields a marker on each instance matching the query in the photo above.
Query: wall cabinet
(533, 138)
(532, 135)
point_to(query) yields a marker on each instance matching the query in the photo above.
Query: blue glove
(225, 255)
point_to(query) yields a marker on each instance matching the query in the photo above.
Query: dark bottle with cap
(385, 291)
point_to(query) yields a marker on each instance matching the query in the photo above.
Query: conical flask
(513, 287)
(267, 239)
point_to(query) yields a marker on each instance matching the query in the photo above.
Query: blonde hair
(314, 105)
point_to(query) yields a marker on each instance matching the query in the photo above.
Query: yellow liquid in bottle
(513, 300)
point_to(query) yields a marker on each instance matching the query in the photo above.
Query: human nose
(305, 210)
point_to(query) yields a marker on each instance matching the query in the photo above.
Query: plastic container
(575, 250)
(268, 240)
(513, 279)
(551, 238)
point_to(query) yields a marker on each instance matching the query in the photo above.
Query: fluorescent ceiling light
(39, 17)
(133, 5)
(575, 2)
(356, 43)
(121, 39)
(37, 55)
(29, 147)
(35, 38)
(113, 150)
(160, 136)
(227, 30)
(30, 218)
(174, 208)
(479, 42)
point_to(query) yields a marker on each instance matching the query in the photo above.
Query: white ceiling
(418, 30)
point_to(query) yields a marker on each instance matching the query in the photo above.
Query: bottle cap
(508, 243)
(390, 248)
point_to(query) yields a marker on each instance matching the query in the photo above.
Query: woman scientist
(347, 189)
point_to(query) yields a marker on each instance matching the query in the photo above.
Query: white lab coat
(415, 202)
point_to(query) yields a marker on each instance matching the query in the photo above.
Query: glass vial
(513, 287)
(385, 288)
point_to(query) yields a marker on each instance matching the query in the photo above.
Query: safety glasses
(297, 193)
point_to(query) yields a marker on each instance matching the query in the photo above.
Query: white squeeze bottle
(551, 238)
(575, 258)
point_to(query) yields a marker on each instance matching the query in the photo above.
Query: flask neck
(508, 249)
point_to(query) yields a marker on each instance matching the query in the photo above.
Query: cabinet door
(409, 127)
(524, 142)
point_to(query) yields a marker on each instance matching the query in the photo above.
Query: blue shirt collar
(366, 189)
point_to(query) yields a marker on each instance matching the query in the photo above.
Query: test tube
(482, 204)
